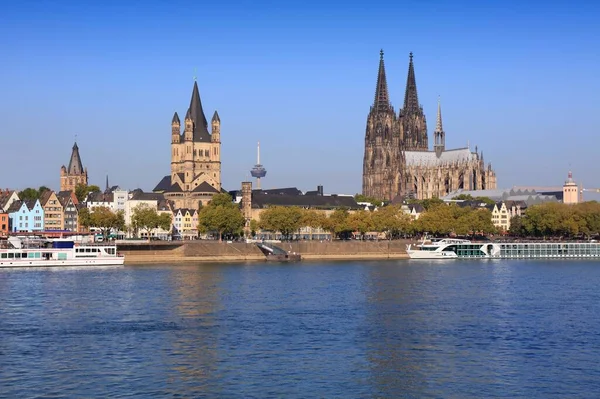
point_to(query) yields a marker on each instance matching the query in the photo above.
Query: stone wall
(211, 251)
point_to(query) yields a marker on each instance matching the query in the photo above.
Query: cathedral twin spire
(382, 98)
(411, 100)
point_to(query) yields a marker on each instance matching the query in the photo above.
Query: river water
(398, 329)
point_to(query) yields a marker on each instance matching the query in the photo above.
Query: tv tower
(258, 170)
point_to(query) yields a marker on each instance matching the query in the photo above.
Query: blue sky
(517, 79)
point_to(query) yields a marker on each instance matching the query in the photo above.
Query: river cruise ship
(28, 252)
(464, 249)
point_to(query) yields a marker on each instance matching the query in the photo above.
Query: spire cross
(411, 56)
(381, 54)
(195, 74)
(75, 138)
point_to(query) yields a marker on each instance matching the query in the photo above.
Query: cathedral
(397, 160)
(75, 174)
(195, 158)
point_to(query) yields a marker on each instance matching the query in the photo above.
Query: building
(397, 160)
(75, 174)
(185, 224)
(7, 197)
(69, 202)
(26, 216)
(253, 202)
(527, 196)
(53, 211)
(4, 224)
(140, 198)
(571, 191)
(195, 158)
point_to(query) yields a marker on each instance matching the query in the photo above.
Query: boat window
(11, 256)
(4, 256)
(18, 255)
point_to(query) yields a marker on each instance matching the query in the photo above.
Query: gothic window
(206, 153)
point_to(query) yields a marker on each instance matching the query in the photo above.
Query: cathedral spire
(197, 113)
(411, 100)
(382, 98)
(107, 186)
(438, 122)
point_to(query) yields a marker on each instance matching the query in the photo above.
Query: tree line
(558, 220)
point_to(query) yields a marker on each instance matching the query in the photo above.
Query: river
(401, 329)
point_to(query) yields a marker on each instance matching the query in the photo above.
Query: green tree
(103, 218)
(147, 218)
(82, 191)
(360, 221)
(85, 217)
(392, 221)
(283, 219)
(254, 227)
(431, 203)
(221, 215)
(32, 193)
(337, 224)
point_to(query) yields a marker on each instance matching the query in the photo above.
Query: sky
(518, 79)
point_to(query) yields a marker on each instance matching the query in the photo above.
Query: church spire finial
(411, 100)
(382, 98)
(438, 122)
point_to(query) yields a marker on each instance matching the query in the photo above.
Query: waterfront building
(26, 216)
(75, 173)
(4, 224)
(253, 202)
(7, 197)
(140, 198)
(185, 224)
(69, 202)
(195, 158)
(113, 198)
(397, 160)
(53, 211)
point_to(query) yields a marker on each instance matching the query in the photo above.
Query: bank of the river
(211, 251)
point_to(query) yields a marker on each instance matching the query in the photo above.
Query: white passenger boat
(25, 252)
(465, 249)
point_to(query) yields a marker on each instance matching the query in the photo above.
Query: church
(195, 158)
(397, 161)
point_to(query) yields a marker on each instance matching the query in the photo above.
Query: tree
(106, 220)
(221, 215)
(254, 227)
(286, 220)
(391, 220)
(32, 193)
(85, 217)
(337, 224)
(147, 218)
(82, 191)
(360, 221)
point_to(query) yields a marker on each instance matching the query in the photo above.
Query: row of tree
(143, 217)
(81, 192)
(558, 220)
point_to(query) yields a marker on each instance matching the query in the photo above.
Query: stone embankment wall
(211, 251)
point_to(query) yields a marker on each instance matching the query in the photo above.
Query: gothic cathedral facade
(397, 161)
(195, 158)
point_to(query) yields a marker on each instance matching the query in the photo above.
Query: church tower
(383, 156)
(75, 174)
(439, 136)
(413, 125)
(195, 157)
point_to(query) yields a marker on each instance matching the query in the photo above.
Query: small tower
(439, 136)
(175, 129)
(570, 191)
(216, 128)
(258, 170)
(188, 134)
(75, 174)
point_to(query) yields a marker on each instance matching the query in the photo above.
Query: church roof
(197, 113)
(163, 185)
(205, 188)
(430, 158)
(75, 165)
